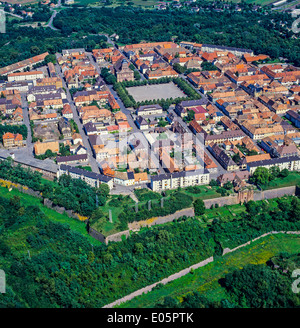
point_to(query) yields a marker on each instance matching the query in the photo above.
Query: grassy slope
(54, 216)
(291, 180)
(205, 279)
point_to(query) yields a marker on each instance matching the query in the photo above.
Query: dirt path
(187, 270)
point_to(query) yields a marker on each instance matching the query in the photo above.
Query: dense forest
(267, 33)
(19, 43)
(49, 265)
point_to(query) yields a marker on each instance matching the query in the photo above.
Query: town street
(86, 143)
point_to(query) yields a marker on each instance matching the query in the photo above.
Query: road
(26, 121)
(50, 23)
(15, 15)
(287, 6)
(86, 143)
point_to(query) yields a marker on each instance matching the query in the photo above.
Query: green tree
(199, 207)
(261, 176)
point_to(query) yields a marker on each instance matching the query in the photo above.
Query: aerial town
(149, 157)
(176, 130)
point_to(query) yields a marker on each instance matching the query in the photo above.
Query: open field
(205, 279)
(155, 91)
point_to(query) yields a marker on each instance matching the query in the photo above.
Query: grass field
(205, 279)
(54, 216)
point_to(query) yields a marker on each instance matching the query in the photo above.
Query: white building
(25, 76)
(179, 179)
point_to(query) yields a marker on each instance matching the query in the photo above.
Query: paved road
(15, 15)
(187, 270)
(50, 23)
(26, 121)
(91, 159)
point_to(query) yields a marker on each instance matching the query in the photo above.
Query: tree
(199, 207)
(190, 115)
(284, 173)
(138, 248)
(228, 185)
(261, 176)
(213, 183)
(274, 172)
(236, 158)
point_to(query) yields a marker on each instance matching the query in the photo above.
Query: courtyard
(46, 131)
(155, 92)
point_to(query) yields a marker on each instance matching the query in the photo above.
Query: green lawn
(28, 200)
(205, 279)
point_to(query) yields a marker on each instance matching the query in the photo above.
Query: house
(149, 110)
(90, 128)
(294, 117)
(182, 108)
(123, 72)
(91, 178)
(41, 147)
(179, 179)
(27, 63)
(141, 123)
(64, 127)
(73, 159)
(124, 178)
(233, 177)
(141, 178)
(291, 163)
(67, 111)
(221, 156)
(25, 76)
(76, 137)
(94, 114)
(12, 140)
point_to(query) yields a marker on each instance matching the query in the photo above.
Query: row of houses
(91, 178)
(179, 179)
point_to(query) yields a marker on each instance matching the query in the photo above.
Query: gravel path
(187, 270)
